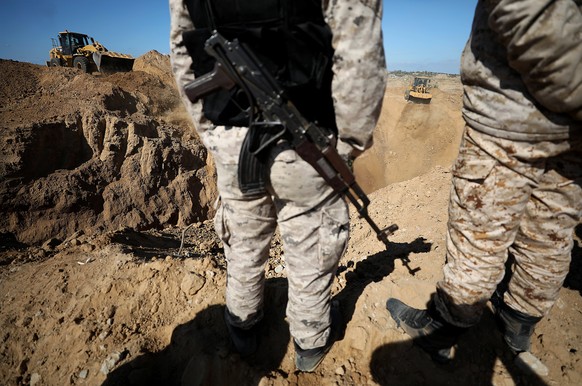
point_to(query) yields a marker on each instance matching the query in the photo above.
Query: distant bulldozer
(83, 52)
(419, 90)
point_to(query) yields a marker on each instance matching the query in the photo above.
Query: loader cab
(421, 83)
(419, 90)
(71, 41)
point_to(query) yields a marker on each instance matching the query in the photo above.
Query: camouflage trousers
(523, 198)
(313, 222)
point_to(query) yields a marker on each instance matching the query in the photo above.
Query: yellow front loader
(419, 90)
(73, 49)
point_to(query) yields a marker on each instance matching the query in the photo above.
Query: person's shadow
(478, 351)
(476, 355)
(200, 352)
(374, 269)
(574, 278)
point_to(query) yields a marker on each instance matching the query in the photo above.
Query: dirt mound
(81, 152)
(141, 308)
(157, 65)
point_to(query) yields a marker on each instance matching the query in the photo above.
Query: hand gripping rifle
(236, 65)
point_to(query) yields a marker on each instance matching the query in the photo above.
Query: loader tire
(55, 62)
(82, 63)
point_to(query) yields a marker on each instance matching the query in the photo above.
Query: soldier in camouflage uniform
(516, 187)
(313, 220)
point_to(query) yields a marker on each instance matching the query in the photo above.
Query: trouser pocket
(221, 226)
(333, 235)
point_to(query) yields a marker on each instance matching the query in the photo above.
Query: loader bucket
(109, 62)
(419, 97)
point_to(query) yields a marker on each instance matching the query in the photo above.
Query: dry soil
(101, 176)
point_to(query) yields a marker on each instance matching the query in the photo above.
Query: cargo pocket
(221, 225)
(473, 177)
(333, 236)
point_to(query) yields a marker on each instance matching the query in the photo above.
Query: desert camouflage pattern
(312, 219)
(522, 69)
(314, 226)
(521, 197)
(359, 68)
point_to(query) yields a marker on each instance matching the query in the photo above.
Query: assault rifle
(237, 65)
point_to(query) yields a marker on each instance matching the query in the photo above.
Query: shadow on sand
(200, 352)
(477, 352)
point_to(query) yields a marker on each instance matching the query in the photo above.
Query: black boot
(245, 341)
(308, 360)
(429, 330)
(517, 327)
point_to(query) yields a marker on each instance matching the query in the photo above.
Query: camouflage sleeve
(543, 39)
(359, 69)
(181, 61)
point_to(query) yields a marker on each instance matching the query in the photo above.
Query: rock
(83, 374)
(528, 362)
(35, 378)
(192, 283)
(110, 362)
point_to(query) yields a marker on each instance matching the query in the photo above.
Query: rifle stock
(236, 65)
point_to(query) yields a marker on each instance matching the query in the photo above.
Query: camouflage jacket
(522, 69)
(359, 66)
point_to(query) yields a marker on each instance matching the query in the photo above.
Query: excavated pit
(94, 153)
